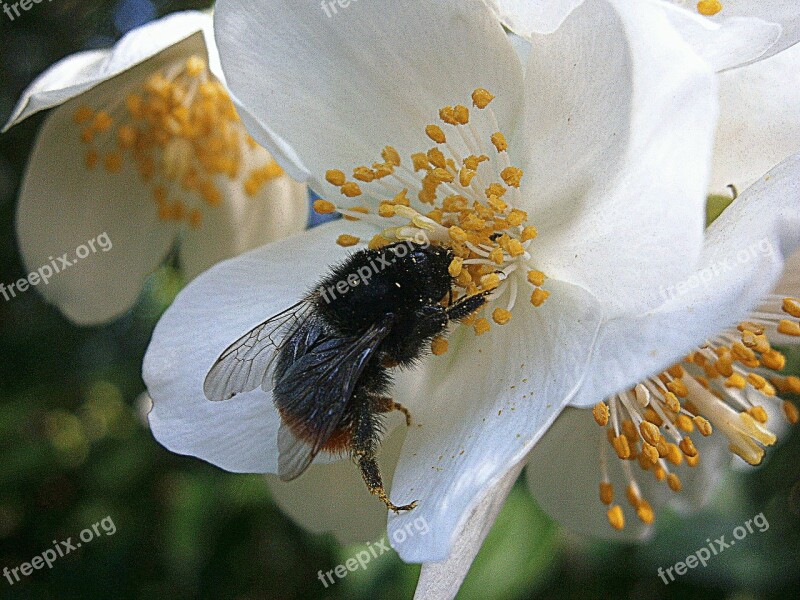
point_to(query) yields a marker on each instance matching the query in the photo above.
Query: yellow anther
(461, 114)
(652, 417)
(438, 346)
(436, 158)
(633, 496)
(704, 427)
(512, 176)
(499, 141)
(684, 423)
(501, 316)
(113, 162)
(364, 174)
(709, 8)
(674, 454)
(539, 296)
(346, 241)
(358, 209)
(378, 241)
(515, 248)
(447, 114)
(465, 177)
(757, 381)
(791, 306)
(674, 482)
(536, 278)
(391, 156)
(496, 190)
(195, 66)
(481, 98)
(650, 432)
(529, 233)
(601, 414)
(773, 360)
(791, 413)
(677, 387)
(420, 161)
(324, 207)
(496, 256)
(650, 453)
(83, 115)
(671, 400)
(620, 444)
(351, 189)
(517, 217)
(436, 134)
(456, 265)
(490, 281)
(606, 492)
(736, 381)
(335, 177)
(645, 512)
(457, 234)
(401, 199)
(386, 210)
(687, 446)
(787, 327)
(472, 161)
(442, 175)
(102, 121)
(482, 326)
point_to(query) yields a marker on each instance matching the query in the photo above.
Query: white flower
(144, 145)
(614, 135)
(728, 33)
(759, 123)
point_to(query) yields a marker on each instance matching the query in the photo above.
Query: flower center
(180, 131)
(461, 194)
(721, 386)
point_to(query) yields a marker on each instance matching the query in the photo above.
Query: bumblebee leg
(364, 450)
(385, 404)
(466, 306)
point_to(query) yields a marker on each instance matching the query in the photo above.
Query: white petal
(525, 17)
(784, 12)
(336, 90)
(212, 312)
(76, 74)
(743, 259)
(62, 206)
(241, 223)
(478, 410)
(563, 474)
(441, 581)
(333, 498)
(725, 43)
(759, 121)
(619, 128)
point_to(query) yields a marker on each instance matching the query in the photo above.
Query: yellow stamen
(709, 8)
(346, 241)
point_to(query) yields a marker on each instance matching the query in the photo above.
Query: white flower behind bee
(143, 143)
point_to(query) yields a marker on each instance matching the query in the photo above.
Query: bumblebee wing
(246, 363)
(313, 393)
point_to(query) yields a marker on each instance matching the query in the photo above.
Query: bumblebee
(327, 360)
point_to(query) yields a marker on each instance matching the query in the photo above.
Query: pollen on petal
(709, 8)
(346, 240)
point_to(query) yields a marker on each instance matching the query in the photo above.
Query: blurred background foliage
(74, 448)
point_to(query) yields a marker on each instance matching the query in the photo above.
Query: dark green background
(74, 450)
